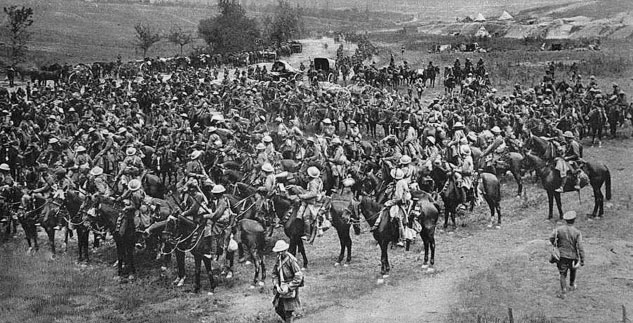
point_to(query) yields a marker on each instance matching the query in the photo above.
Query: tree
(231, 31)
(286, 24)
(146, 37)
(179, 37)
(19, 19)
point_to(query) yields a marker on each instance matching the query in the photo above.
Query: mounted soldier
(496, 149)
(398, 205)
(194, 168)
(218, 222)
(310, 202)
(567, 163)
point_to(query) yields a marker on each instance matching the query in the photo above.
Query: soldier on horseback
(338, 162)
(193, 168)
(496, 149)
(464, 176)
(97, 184)
(218, 221)
(398, 205)
(569, 161)
(131, 167)
(134, 197)
(310, 201)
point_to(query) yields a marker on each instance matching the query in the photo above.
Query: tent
(480, 18)
(505, 16)
(482, 33)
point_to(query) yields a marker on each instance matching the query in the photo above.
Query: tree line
(232, 30)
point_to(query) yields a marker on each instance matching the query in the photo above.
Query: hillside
(73, 31)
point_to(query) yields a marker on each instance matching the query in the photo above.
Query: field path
(429, 298)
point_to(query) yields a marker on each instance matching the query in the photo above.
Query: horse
(426, 212)
(596, 121)
(387, 230)
(10, 202)
(343, 218)
(184, 235)
(46, 213)
(251, 236)
(514, 159)
(543, 148)
(492, 194)
(446, 186)
(153, 186)
(74, 202)
(293, 226)
(110, 214)
(165, 166)
(598, 174)
(43, 76)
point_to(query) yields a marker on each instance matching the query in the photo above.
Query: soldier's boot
(563, 181)
(577, 180)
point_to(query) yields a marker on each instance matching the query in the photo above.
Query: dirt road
(436, 297)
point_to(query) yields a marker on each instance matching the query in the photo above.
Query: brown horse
(598, 174)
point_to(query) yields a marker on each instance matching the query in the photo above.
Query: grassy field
(480, 273)
(78, 31)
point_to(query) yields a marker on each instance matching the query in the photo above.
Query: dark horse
(446, 186)
(45, 212)
(10, 201)
(184, 235)
(293, 226)
(111, 215)
(343, 217)
(550, 179)
(78, 220)
(514, 161)
(386, 232)
(426, 213)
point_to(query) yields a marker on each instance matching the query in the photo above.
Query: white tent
(482, 33)
(505, 16)
(480, 18)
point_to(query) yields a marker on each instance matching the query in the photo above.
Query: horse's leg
(119, 254)
(95, 240)
(129, 256)
(302, 250)
(597, 201)
(348, 242)
(550, 203)
(212, 283)
(424, 234)
(446, 213)
(558, 205)
(51, 238)
(196, 277)
(498, 208)
(491, 206)
(342, 242)
(431, 237)
(386, 252)
(453, 212)
(516, 173)
(180, 263)
(84, 241)
(262, 264)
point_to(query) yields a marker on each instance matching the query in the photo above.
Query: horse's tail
(607, 182)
